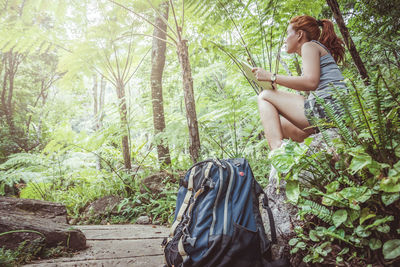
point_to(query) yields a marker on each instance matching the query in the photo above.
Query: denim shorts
(315, 111)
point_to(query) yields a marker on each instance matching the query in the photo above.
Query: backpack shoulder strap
(270, 218)
(185, 202)
(265, 205)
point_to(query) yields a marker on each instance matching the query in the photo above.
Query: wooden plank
(124, 232)
(150, 261)
(116, 245)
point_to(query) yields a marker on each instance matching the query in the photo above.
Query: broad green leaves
(391, 249)
(292, 191)
(339, 217)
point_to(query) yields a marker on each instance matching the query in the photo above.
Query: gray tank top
(330, 74)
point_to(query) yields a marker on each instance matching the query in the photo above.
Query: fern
(337, 121)
(311, 207)
(21, 159)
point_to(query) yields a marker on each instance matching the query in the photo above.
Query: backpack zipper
(221, 180)
(227, 197)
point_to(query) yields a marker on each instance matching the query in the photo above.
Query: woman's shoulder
(315, 46)
(311, 44)
(309, 48)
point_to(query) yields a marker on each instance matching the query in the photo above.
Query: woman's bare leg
(289, 130)
(271, 104)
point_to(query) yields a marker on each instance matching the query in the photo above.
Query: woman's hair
(328, 36)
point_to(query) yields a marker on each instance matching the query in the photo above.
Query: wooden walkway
(116, 245)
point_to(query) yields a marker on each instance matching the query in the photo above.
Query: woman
(320, 72)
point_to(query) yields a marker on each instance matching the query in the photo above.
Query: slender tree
(334, 6)
(181, 45)
(157, 68)
(11, 62)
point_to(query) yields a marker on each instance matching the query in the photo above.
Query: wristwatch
(273, 78)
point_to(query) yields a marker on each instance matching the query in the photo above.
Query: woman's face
(291, 40)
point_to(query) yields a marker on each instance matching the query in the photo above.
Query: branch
(176, 22)
(148, 35)
(146, 20)
(161, 16)
(140, 63)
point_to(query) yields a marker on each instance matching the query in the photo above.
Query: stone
(44, 209)
(143, 220)
(284, 213)
(28, 219)
(154, 182)
(103, 206)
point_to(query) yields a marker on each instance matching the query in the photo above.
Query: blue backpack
(217, 219)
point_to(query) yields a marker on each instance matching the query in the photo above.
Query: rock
(44, 209)
(102, 206)
(285, 214)
(154, 182)
(143, 220)
(32, 219)
(285, 217)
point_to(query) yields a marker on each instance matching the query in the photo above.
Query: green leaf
(390, 185)
(292, 191)
(365, 215)
(308, 141)
(383, 228)
(391, 249)
(293, 241)
(388, 198)
(344, 251)
(313, 236)
(359, 161)
(339, 217)
(358, 194)
(380, 221)
(361, 232)
(332, 187)
(339, 259)
(354, 214)
(375, 244)
(301, 245)
(332, 199)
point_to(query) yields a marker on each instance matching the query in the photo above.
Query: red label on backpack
(241, 173)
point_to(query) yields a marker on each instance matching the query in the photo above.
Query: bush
(350, 205)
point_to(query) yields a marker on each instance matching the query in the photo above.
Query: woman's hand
(261, 74)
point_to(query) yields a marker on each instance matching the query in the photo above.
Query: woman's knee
(265, 95)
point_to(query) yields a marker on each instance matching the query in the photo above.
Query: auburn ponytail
(327, 37)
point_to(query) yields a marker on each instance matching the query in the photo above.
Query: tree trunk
(100, 114)
(297, 65)
(95, 101)
(101, 101)
(194, 138)
(4, 90)
(334, 6)
(124, 125)
(96, 116)
(157, 68)
(11, 63)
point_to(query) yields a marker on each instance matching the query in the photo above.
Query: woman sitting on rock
(319, 50)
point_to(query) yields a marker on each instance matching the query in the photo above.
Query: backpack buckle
(183, 183)
(265, 202)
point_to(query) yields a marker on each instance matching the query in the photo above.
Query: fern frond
(337, 120)
(311, 207)
(21, 159)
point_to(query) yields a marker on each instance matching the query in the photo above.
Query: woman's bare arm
(311, 71)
